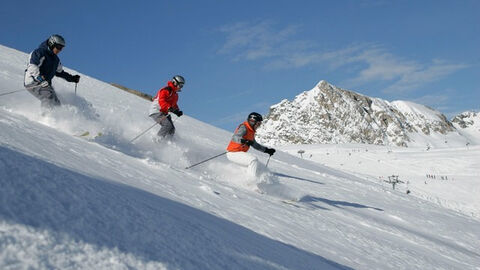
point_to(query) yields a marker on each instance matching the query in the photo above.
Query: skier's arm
(238, 138)
(162, 101)
(65, 75)
(258, 146)
(174, 106)
(35, 61)
(239, 133)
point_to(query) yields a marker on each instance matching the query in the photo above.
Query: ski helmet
(179, 80)
(56, 40)
(255, 117)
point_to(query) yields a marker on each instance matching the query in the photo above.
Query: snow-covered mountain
(328, 114)
(102, 202)
(468, 124)
(468, 119)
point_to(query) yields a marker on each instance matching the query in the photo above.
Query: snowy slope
(70, 202)
(449, 176)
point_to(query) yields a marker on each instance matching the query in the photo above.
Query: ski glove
(41, 82)
(270, 151)
(177, 112)
(71, 78)
(247, 142)
(75, 78)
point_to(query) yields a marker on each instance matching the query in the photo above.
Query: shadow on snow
(339, 204)
(297, 178)
(108, 214)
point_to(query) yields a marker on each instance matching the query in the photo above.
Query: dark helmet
(179, 80)
(56, 40)
(255, 117)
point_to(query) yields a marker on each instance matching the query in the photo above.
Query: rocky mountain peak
(328, 114)
(466, 119)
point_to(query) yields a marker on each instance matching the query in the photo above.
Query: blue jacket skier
(43, 65)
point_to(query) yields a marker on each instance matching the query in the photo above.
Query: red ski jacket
(167, 98)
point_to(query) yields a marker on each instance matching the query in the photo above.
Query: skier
(164, 102)
(242, 139)
(43, 65)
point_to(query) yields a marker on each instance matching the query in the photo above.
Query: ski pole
(186, 168)
(268, 160)
(138, 136)
(75, 89)
(4, 94)
(26, 88)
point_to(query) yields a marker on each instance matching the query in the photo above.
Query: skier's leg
(157, 116)
(46, 95)
(253, 168)
(171, 127)
(167, 128)
(34, 90)
(48, 98)
(245, 159)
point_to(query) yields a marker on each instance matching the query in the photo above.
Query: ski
(88, 135)
(292, 203)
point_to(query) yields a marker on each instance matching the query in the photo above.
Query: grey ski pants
(167, 127)
(47, 96)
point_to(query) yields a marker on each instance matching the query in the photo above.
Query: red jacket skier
(164, 102)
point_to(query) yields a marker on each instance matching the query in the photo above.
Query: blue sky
(243, 56)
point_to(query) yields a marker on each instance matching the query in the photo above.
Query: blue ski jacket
(43, 62)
